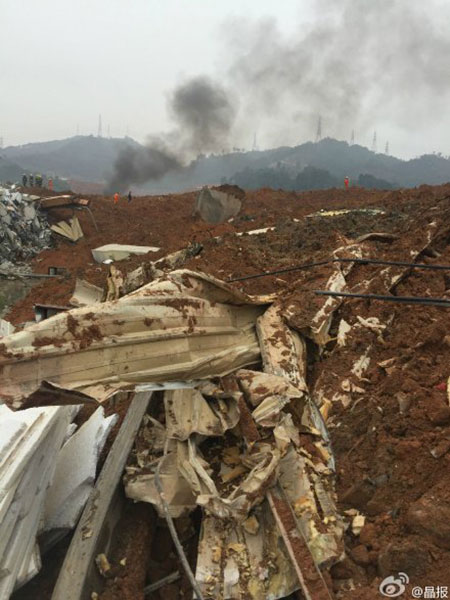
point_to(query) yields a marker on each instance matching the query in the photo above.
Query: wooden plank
(73, 582)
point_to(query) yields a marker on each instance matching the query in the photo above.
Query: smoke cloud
(360, 65)
(140, 164)
(203, 115)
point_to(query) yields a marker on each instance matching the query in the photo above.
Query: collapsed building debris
(24, 229)
(213, 330)
(243, 457)
(37, 487)
(183, 326)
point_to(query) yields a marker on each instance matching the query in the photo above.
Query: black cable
(401, 299)
(299, 268)
(373, 261)
(393, 263)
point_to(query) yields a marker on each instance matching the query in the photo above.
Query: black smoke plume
(203, 115)
(361, 64)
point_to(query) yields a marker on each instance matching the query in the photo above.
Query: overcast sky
(284, 62)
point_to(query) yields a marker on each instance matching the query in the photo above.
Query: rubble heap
(267, 406)
(24, 230)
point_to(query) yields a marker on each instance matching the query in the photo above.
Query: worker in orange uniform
(116, 198)
(50, 184)
(346, 182)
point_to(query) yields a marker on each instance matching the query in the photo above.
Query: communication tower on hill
(1, 142)
(99, 132)
(352, 139)
(386, 150)
(374, 142)
(319, 129)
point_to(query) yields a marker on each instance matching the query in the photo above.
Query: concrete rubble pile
(47, 471)
(24, 230)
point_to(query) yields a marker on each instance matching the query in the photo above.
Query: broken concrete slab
(214, 206)
(75, 472)
(117, 252)
(6, 328)
(89, 538)
(27, 467)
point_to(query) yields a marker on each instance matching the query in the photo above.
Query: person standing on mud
(130, 197)
(31, 180)
(24, 180)
(116, 198)
(346, 182)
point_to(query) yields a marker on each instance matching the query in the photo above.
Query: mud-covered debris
(103, 565)
(24, 230)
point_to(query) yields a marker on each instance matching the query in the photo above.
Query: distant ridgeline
(309, 166)
(310, 178)
(318, 165)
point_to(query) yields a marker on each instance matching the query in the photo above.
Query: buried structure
(231, 436)
(290, 444)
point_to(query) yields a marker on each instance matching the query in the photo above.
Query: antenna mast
(374, 142)
(319, 129)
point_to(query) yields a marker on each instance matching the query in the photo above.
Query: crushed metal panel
(183, 326)
(187, 412)
(233, 563)
(151, 270)
(177, 490)
(283, 351)
(302, 488)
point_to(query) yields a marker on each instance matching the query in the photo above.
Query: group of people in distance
(36, 180)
